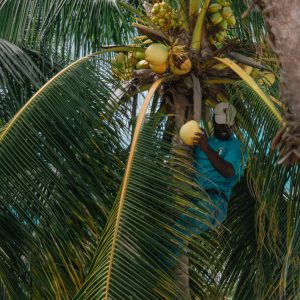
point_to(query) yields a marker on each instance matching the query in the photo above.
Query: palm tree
(90, 192)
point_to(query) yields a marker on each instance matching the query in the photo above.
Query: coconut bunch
(162, 59)
(123, 65)
(164, 16)
(220, 18)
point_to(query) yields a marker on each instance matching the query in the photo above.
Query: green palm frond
(18, 64)
(273, 187)
(66, 29)
(238, 253)
(19, 78)
(61, 161)
(250, 28)
(141, 244)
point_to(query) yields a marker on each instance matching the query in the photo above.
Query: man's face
(222, 131)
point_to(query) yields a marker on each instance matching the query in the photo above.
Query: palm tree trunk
(283, 23)
(186, 98)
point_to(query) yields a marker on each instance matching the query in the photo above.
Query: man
(220, 161)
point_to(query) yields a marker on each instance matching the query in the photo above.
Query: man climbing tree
(220, 161)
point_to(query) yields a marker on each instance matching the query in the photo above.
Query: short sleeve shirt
(233, 152)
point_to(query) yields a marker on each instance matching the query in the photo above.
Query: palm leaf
(66, 29)
(253, 85)
(251, 28)
(19, 65)
(239, 252)
(19, 77)
(273, 188)
(141, 243)
(61, 161)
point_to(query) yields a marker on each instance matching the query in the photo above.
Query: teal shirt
(233, 152)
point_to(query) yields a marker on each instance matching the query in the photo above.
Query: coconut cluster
(220, 18)
(164, 16)
(123, 65)
(162, 58)
(158, 57)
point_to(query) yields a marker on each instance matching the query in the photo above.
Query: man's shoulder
(235, 142)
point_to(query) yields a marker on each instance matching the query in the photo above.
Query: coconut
(142, 64)
(223, 24)
(159, 69)
(140, 55)
(188, 132)
(183, 67)
(156, 7)
(157, 54)
(214, 7)
(268, 78)
(161, 22)
(221, 35)
(226, 12)
(231, 21)
(216, 18)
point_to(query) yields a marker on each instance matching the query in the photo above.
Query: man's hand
(201, 141)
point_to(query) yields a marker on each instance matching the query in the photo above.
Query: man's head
(223, 120)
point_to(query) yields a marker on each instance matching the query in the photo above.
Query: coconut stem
(197, 34)
(183, 20)
(194, 7)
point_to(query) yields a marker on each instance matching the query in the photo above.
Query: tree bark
(282, 19)
(184, 93)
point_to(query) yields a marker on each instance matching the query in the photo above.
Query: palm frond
(238, 253)
(19, 65)
(273, 189)
(22, 73)
(253, 85)
(250, 28)
(61, 164)
(65, 29)
(141, 243)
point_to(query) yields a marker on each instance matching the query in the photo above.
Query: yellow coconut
(142, 64)
(269, 78)
(216, 18)
(140, 55)
(188, 132)
(231, 21)
(214, 7)
(226, 12)
(183, 69)
(157, 54)
(159, 69)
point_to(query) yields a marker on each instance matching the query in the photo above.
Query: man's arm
(221, 165)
